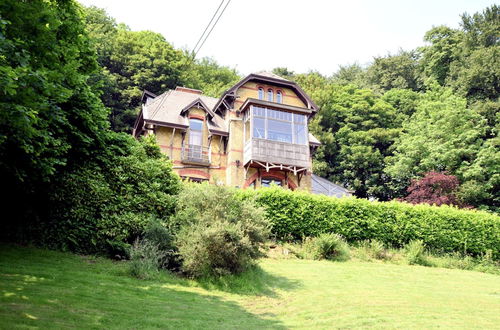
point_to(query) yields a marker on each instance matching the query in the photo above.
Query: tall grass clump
(326, 246)
(415, 253)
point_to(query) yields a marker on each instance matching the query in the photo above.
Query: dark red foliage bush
(434, 188)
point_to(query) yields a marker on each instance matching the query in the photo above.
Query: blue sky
(301, 35)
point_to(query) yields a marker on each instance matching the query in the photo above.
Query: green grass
(46, 289)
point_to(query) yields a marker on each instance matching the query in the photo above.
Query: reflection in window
(279, 97)
(261, 93)
(195, 132)
(279, 131)
(279, 125)
(267, 182)
(270, 95)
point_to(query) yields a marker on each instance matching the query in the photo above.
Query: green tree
(442, 135)
(395, 71)
(50, 114)
(444, 48)
(208, 76)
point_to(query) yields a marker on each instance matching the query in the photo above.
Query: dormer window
(270, 95)
(279, 97)
(261, 93)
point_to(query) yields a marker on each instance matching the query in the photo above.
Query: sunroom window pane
(259, 127)
(279, 131)
(300, 133)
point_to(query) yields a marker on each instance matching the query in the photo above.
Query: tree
(395, 71)
(444, 49)
(50, 114)
(131, 62)
(351, 74)
(442, 135)
(357, 130)
(208, 76)
(434, 188)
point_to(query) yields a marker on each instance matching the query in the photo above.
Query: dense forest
(70, 84)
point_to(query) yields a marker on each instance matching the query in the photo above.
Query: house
(254, 135)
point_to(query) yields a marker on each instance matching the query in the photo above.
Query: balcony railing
(196, 154)
(276, 152)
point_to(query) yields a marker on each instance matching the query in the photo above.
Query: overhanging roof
(272, 79)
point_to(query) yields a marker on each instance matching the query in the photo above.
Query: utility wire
(208, 34)
(201, 37)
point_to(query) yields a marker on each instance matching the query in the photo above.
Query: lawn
(47, 289)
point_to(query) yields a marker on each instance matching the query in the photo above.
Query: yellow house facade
(254, 135)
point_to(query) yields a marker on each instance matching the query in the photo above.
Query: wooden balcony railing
(275, 152)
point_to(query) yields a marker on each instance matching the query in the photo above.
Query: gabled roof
(271, 78)
(198, 103)
(169, 108)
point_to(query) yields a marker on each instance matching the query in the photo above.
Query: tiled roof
(167, 107)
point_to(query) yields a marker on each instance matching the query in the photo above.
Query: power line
(208, 34)
(201, 37)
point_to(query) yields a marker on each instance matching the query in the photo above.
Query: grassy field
(46, 289)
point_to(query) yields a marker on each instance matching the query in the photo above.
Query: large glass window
(279, 125)
(279, 97)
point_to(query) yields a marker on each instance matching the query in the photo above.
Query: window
(279, 125)
(270, 95)
(195, 148)
(261, 93)
(300, 129)
(279, 97)
(267, 182)
(195, 132)
(191, 179)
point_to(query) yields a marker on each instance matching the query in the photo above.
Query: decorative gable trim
(198, 103)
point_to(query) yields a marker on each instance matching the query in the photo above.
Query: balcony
(276, 154)
(196, 154)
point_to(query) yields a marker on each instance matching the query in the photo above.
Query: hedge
(295, 215)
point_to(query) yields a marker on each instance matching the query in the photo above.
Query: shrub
(327, 246)
(218, 233)
(145, 259)
(111, 198)
(415, 253)
(157, 233)
(444, 229)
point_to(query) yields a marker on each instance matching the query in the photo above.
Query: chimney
(188, 90)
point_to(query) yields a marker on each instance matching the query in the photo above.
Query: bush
(218, 233)
(326, 246)
(443, 229)
(145, 259)
(157, 233)
(415, 253)
(111, 198)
